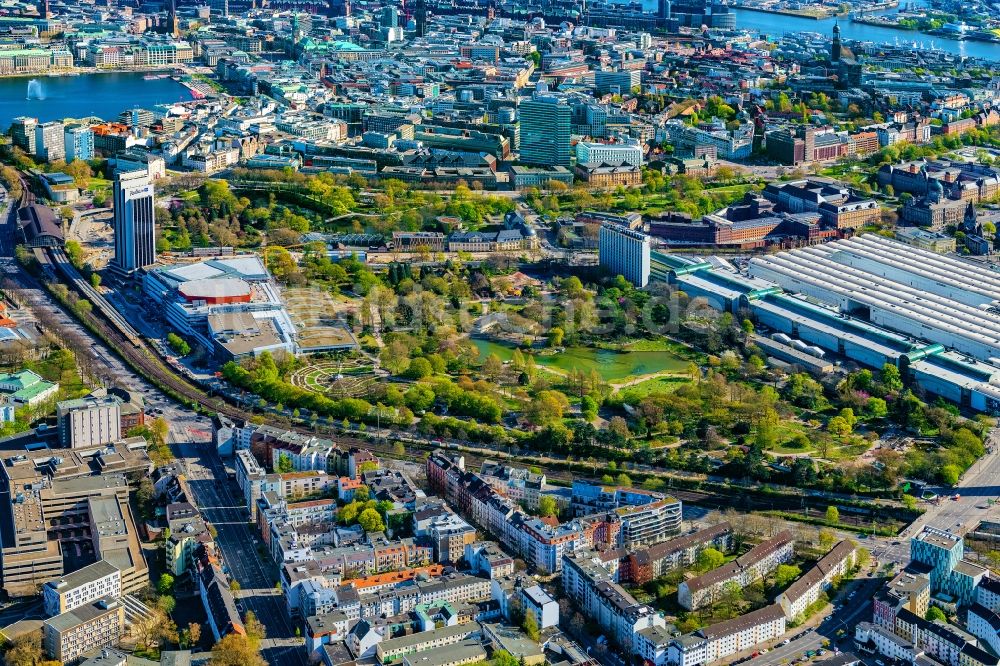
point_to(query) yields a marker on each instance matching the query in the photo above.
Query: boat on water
(155, 77)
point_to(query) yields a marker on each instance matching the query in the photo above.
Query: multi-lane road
(978, 485)
(856, 609)
(221, 504)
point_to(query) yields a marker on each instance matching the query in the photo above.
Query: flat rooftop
(943, 299)
(939, 539)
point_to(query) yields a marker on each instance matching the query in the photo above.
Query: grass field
(656, 385)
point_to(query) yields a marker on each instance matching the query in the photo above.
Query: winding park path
(619, 384)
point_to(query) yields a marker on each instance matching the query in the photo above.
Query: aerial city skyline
(499, 333)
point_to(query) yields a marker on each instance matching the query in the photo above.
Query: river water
(102, 95)
(778, 24)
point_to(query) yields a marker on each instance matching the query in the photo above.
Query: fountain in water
(35, 90)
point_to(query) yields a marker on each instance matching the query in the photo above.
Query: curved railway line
(62, 263)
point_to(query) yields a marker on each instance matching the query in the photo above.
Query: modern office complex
(949, 574)
(625, 252)
(135, 231)
(626, 152)
(83, 586)
(88, 422)
(545, 132)
(22, 132)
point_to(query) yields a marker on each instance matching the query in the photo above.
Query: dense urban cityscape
(499, 333)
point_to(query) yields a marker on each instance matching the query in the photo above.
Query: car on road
(879, 662)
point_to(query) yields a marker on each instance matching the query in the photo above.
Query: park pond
(612, 365)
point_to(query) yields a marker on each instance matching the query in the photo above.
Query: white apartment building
(617, 612)
(984, 624)
(100, 579)
(250, 477)
(988, 594)
(211, 161)
(886, 642)
(649, 523)
(653, 645)
(70, 635)
(309, 454)
(537, 601)
(808, 587)
(311, 511)
(720, 640)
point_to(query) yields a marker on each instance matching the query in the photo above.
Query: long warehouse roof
(929, 270)
(942, 282)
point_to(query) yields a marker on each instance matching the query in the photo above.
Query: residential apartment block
(542, 545)
(908, 590)
(593, 591)
(807, 588)
(70, 635)
(646, 564)
(745, 569)
(721, 640)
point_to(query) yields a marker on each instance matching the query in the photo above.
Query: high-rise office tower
(420, 18)
(79, 141)
(390, 17)
(135, 230)
(49, 141)
(22, 133)
(625, 252)
(545, 132)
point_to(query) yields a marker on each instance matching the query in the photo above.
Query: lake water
(776, 25)
(101, 95)
(611, 365)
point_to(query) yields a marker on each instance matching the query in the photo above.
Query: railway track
(63, 264)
